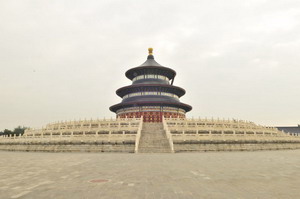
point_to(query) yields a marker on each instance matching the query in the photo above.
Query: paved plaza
(261, 174)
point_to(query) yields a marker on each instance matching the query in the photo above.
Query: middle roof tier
(150, 88)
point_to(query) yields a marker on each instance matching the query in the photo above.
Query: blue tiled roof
(289, 129)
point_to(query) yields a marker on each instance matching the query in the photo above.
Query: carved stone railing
(168, 134)
(106, 130)
(212, 129)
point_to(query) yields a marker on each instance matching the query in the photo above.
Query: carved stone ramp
(153, 139)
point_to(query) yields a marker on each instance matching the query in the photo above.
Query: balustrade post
(109, 135)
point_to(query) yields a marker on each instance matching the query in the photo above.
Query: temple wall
(129, 146)
(151, 116)
(151, 113)
(205, 146)
(70, 146)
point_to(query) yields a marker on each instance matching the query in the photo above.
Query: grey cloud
(62, 60)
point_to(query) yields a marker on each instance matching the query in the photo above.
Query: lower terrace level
(125, 135)
(247, 175)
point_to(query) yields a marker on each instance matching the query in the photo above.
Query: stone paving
(260, 174)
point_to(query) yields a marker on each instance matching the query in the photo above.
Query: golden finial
(150, 50)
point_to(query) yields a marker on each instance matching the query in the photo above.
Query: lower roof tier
(183, 106)
(150, 87)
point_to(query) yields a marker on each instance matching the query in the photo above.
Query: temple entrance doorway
(152, 117)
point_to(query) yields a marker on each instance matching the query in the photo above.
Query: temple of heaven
(151, 94)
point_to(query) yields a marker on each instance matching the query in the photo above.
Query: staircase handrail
(168, 134)
(138, 135)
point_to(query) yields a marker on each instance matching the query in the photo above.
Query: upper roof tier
(150, 66)
(150, 87)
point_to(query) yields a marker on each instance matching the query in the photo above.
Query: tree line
(18, 131)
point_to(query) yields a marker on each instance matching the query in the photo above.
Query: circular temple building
(152, 94)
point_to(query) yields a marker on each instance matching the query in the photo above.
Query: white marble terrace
(121, 129)
(218, 129)
(129, 129)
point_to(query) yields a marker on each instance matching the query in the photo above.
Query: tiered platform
(131, 135)
(107, 135)
(188, 135)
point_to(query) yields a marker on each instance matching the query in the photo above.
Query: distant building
(291, 130)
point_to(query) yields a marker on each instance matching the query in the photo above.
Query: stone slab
(259, 174)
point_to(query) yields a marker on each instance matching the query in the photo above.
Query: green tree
(7, 132)
(19, 130)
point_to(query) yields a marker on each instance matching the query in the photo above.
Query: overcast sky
(64, 60)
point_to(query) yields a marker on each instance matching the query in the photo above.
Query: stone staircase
(153, 139)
